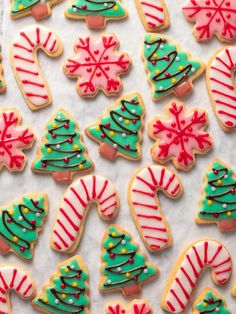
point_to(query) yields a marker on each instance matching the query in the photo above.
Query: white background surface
(180, 213)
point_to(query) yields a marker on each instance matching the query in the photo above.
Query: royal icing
(145, 205)
(212, 17)
(14, 278)
(120, 129)
(135, 307)
(182, 281)
(14, 139)
(76, 202)
(219, 196)
(153, 14)
(62, 149)
(2, 82)
(124, 266)
(169, 70)
(180, 137)
(221, 88)
(67, 291)
(20, 223)
(97, 65)
(25, 63)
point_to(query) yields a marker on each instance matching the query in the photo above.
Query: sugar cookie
(135, 307)
(2, 82)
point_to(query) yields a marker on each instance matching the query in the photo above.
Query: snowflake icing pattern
(212, 16)
(13, 140)
(180, 137)
(135, 307)
(97, 65)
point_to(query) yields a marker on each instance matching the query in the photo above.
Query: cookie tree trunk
(227, 225)
(183, 89)
(62, 176)
(95, 21)
(40, 10)
(4, 247)
(108, 151)
(131, 290)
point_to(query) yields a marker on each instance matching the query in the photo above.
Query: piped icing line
(189, 267)
(13, 278)
(221, 88)
(145, 206)
(73, 209)
(25, 64)
(135, 307)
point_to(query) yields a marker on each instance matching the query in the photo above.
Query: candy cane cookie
(145, 206)
(188, 270)
(135, 307)
(17, 279)
(74, 207)
(221, 87)
(24, 60)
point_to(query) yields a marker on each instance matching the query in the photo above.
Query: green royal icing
(68, 293)
(65, 152)
(21, 5)
(139, 270)
(117, 123)
(219, 201)
(211, 305)
(166, 66)
(112, 8)
(19, 224)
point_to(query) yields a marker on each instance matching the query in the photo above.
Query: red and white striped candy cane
(135, 307)
(14, 278)
(188, 269)
(25, 63)
(145, 206)
(77, 200)
(221, 89)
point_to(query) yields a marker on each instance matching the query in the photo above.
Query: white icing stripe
(221, 87)
(195, 259)
(25, 63)
(12, 278)
(145, 207)
(152, 13)
(77, 200)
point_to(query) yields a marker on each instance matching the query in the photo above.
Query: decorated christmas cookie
(124, 266)
(24, 60)
(14, 279)
(20, 223)
(135, 307)
(2, 82)
(217, 205)
(210, 301)
(97, 65)
(119, 131)
(96, 12)
(14, 139)
(73, 209)
(145, 206)
(153, 14)
(180, 136)
(39, 9)
(169, 69)
(67, 290)
(221, 86)
(212, 17)
(188, 269)
(62, 152)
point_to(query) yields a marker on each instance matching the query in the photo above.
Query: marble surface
(180, 213)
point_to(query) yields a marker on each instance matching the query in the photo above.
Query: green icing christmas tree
(124, 265)
(119, 131)
(211, 304)
(219, 200)
(20, 223)
(62, 151)
(169, 69)
(67, 291)
(38, 8)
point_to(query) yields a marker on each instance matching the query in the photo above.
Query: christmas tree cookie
(20, 223)
(96, 12)
(218, 203)
(169, 69)
(124, 266)
(2, 82)
(209, 301)
(67, 291)
(62, 152)
(119, 131)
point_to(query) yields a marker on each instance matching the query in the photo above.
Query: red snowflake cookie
(180, 136)
(13, 139)
(97, 65)
(212, 17)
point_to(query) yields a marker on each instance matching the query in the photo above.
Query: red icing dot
(44, 165)
(112, 255)
(163, 40)
(84, 6)
(131, 260)
(190, 129)
(9, 220)
(66, 160)
(228, 16)
(167, 58)
(35, 202)
(135, 278)
(208, 14)
(216, 172)
(33, 222)
(102, 135)
(66, 125)
(70, 140)
(127, 146)
(153, 62)
(232, 191)
(167, 74)
(122, 108)
(217, 20)
(54, 135)
(22, 249)
(216, 215)
(133, 101)
(108, 124)
(63, 286)
(182, 121)
(134, 121)
(185, 76)
(211, 300)
(227, 3)
(78, 276)
(76, 295)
